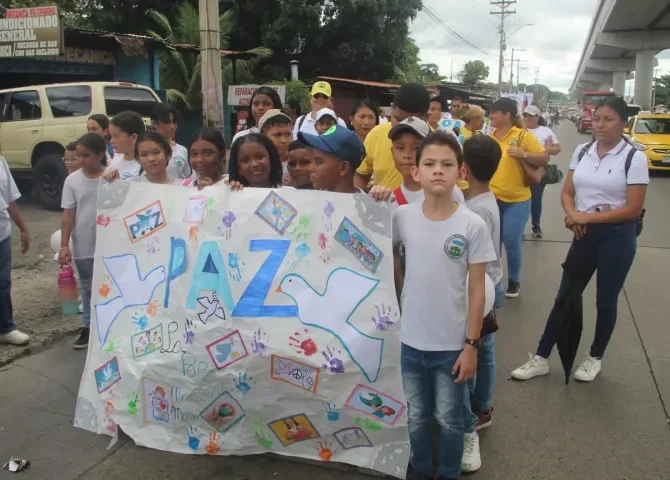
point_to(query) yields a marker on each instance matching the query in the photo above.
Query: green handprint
(261, 434)
(132, 403)
(112, 346)
(303, 229)
(368, 424)
(210, 203)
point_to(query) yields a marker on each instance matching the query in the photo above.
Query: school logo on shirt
(512, 142)
(456, 246)
(179, 161)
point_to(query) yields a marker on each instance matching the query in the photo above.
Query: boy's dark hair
(276, 168)
(129, 122)
(412, 98)
(71, 147)
(93, 142)
(482, 154)
(101, 120)
(277, 120)
(152, 136)
(160, 113)
(441, 100)
(297, 145)
(442, 139)
(617, 104)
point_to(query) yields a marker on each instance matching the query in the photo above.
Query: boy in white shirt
(443, 242)
(481, 156)
(9, 209)
(164, 120)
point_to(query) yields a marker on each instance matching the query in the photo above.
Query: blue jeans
(85, 270)
(536, 192)
(610, 250)
(6, 311)
(481, 386)
(433, 397)
(513, 220)
(500, 295)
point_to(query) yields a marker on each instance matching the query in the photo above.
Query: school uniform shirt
(81, 194)
(379, 158)
(8, 193)
(543, 134)
(143, 179)
(603, 181)
(126, 168)
(309, 125)
(437, 258)
(178, 167)
(486, 206)
(507, 183)
(418, 196)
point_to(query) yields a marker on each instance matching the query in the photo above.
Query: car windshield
(654, 126)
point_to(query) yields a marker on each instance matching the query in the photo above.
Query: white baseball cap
(532, 110)
(413, 124)
(323, 112)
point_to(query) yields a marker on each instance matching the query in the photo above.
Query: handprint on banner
(385, 318)
(260, 343)
(325, 450)
(193, 237)
(322, 240)
(189, 334)
(153, 247)
(132, 403)
(214, 445)
(333, 362)
(105, 288)
(228, 221)
(301, 251)
(328, 211)
(306, 347)
(140, 322)
(368, 424)
(303, 229)
(193, 438)
(332, 414)
(260, 433)
(152, 308)
(111, 347)
(234, 264)
(242, 383)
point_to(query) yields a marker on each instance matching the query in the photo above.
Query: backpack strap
(399, 196)
(301, 121)
(583, 151)
(629, 160)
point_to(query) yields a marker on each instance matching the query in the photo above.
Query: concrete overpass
(624, 37)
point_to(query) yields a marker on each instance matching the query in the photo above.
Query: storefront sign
(31, 32)
(240, 95)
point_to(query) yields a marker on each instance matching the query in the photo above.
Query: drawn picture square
(224, 412)
(276, 212)
(376, 404)
(293, 429)
(352, 437)
(145, 222)
(147, 342)
(107, 375)
(157, 401)
(227, 350)
(351, 238)
(295, 373)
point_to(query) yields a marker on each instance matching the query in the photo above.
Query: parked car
(650, 133)
(37, 122)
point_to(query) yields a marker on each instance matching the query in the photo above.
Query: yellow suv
(650, 133)
(37, 122)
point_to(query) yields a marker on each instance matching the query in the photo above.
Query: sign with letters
(240, 95)
(228, 323)
(31, 32)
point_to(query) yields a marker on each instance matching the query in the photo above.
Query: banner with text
(240, 95)
(31, 32)
(246, 322)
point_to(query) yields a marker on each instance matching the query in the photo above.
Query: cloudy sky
(553, 42)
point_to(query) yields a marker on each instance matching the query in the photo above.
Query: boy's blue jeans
(513, 220)
(481, 386)
(6, 311)
(433, 397)
(85, 270)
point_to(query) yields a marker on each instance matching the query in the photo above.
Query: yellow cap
(323, 88)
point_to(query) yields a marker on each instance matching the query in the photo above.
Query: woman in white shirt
(602, 199)
(535, 123)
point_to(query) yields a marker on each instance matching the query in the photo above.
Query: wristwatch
(473, 343)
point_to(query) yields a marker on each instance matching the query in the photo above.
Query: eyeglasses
(321, 95)
(70, 159)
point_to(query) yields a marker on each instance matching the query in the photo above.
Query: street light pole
(503, 13)
(210, 61)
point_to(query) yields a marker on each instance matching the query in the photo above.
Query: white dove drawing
(134, 290)
(212, 308)
(331, 311)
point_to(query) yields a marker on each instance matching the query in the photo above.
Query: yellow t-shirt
(507, 183)
(379, 158)
(466, 132)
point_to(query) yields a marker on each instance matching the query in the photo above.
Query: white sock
(541, 359)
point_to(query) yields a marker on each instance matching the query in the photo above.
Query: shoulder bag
(531, 175)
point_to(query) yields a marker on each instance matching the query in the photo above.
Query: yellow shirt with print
(507, 183)
(466, 132)
(379, 159)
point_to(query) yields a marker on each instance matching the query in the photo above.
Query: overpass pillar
(619, 83)
(644, 77)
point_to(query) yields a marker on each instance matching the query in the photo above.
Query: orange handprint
(325, 450)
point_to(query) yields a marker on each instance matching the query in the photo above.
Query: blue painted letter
(252, 302)
(177, 265)
(210, 274)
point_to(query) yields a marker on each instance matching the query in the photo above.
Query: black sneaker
(513, 290)
(82, 342)
(537, 232)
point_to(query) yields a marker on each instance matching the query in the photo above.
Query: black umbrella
(578, 268)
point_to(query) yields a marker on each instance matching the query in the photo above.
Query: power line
(453, 32)
(480, 12)
(503, 13)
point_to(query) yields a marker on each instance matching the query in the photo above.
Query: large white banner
(246, 322)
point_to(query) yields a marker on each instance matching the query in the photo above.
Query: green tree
(296, 90)
(473, 73)
(180, 72)
(662, 86)
(407, 67)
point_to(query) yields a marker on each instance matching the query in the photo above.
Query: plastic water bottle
(67, 287)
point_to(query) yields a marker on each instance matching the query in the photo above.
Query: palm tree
(180, 72)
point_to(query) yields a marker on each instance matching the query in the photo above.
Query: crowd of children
(443, 245)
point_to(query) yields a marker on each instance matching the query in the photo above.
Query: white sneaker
(588, 370)
(534, 367)
(15, 338)
(472, 460)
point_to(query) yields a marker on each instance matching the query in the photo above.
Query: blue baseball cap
(339, 141)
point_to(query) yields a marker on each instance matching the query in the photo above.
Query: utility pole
(210, 58)
(518, 77)
(503, 12)
(511, 70)
(537, 75)
(451, 77)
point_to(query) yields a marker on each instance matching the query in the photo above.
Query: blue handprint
(193, 441)
(234, 264)
(242, 383)
(140, 322)
(332, 414)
